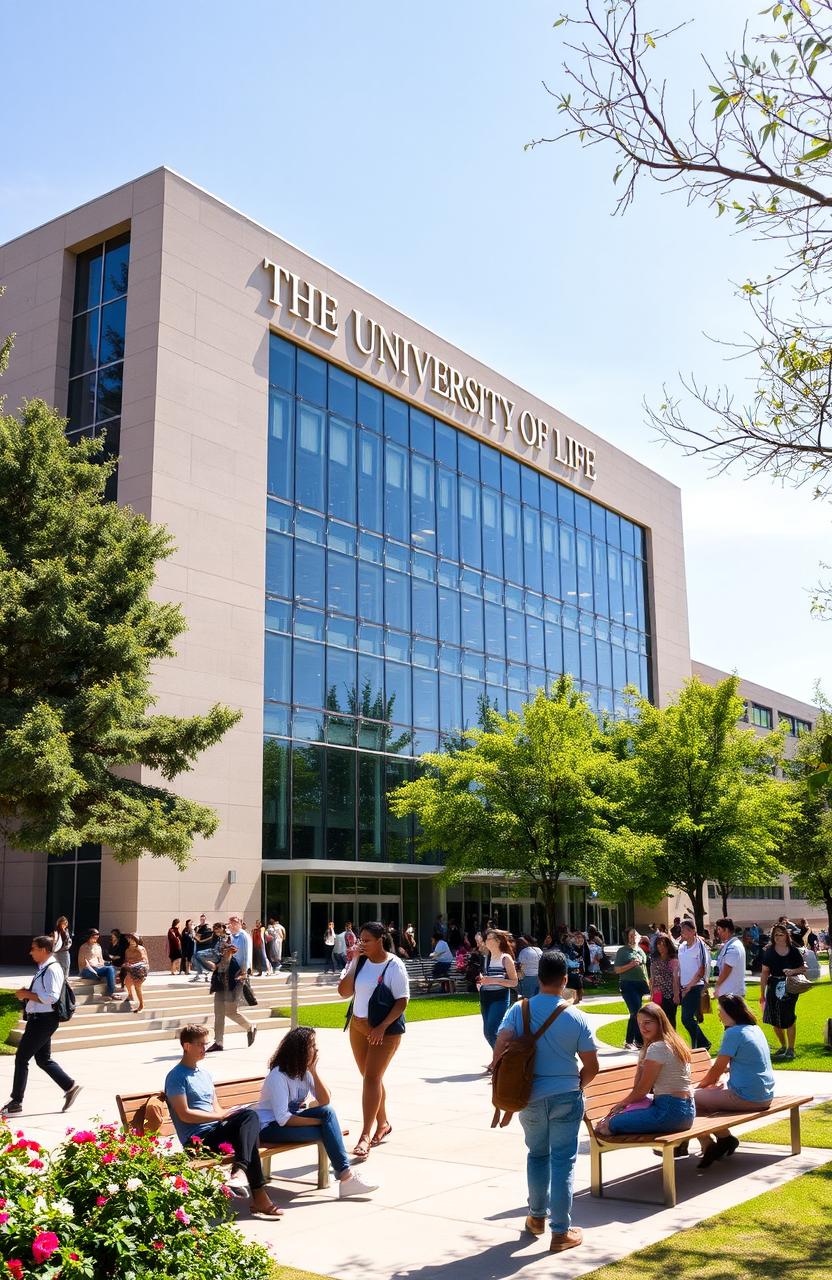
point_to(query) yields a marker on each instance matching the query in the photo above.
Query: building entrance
(341, 908)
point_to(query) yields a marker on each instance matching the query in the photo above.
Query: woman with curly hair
(285, 1112)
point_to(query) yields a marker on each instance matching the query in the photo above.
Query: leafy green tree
(79, 634)
(705, 788)
(808, 855)
(537, 795)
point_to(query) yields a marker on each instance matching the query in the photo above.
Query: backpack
(511, 1081)
(64, 1006)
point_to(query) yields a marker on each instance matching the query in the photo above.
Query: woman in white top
(663, 1072)
(528, 958)
(285, 1113)
(373, 1043)
(497, 981)
(442, 955)
(62, 943)
(329, 947)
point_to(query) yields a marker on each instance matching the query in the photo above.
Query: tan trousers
(226, 1007)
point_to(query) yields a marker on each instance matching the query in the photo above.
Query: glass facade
(96, 361)
(412, 573)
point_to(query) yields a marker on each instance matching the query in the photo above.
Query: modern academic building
(374, 533)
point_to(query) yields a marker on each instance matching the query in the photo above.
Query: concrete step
(139, 1028)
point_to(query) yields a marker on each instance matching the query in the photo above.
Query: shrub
(107, 1204)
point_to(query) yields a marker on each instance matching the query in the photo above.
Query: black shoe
(681, 1150)
(11, 1109)
(713, 1153)
(250, 1034)
(214, 1048)
(728, 1145)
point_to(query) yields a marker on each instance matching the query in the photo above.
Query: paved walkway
(452, 1198)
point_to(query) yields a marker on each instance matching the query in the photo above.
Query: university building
(375, 532)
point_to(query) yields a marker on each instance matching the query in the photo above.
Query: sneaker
(788, 1056)
(196, 978)
(214, 1048)
(780, 1054)
(566, 1240)
(355, 1185)
(250, 1034)
(11, 1109)
(70, 1096)
(535, 1226)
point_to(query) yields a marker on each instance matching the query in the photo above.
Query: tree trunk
(550, 902)
(694, 892)
(724, 891)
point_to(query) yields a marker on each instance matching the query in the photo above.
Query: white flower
(133, 1184)
(39, 1205)
(112, 1187)
(63, 1208)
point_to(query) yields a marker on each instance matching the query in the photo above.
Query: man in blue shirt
(242, 941)
(552, 1120)
(198, 1119)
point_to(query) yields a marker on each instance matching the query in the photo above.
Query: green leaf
(648, 40)
(818, 152)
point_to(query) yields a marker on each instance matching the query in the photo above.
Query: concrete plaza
(452, 1195)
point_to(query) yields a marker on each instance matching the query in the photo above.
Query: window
(760, 716)
(796, 726)
(96, 361)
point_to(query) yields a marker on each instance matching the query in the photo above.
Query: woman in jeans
(528, 958)
(664, 976)
(294, 1101)
(62, 943)
(744, 1054)
(631, 967)
(497, 981)
(661, 1099)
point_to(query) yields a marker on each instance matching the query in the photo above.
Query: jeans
(551, 1126)
(105, 971)
(632, 994)
(242, 1130)
(36, 1043)
(528, 986)
(493, 1007)
(200, 958)
(690, 1012)
(329, 1134)
(329, 961)
(665, 1114)
(441, 968)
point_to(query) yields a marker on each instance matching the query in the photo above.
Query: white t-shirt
(442, 953)
(341, 943)
(692, 957)
(732, 952)
(596, 951)
(395, 978)
(281, 1096)
(529, 958)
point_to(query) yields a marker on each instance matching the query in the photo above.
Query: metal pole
(293, 983)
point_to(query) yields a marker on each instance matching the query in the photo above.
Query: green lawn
(9, 1017)
(784, 1232)
(813, 1009)
(815, 1128)
(419, 1010)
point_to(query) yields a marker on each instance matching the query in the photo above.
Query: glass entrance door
(341, 909)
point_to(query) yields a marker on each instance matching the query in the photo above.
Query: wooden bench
(609, 1087)
(422, 979)
(230, 1093)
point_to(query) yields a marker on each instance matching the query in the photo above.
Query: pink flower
(179, 1183)
(156, 1244)
(4, 1217)
(226, 1148)
(196, 1141)
(73, 1257)
(182, 1217)
(109, 1157)
(134, 1151)
(100, 1200)
(2, 1202)
(83, 1135)
(35, 1164)
(15, 1268)
(44, 1245)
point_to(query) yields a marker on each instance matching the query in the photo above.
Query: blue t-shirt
(750, 1074)
(556, 1069)
(197, 1086)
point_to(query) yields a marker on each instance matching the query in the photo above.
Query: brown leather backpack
(511, 1081)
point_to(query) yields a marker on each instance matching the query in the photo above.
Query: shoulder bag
(380, 1003)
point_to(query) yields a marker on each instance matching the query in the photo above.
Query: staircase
(171, 1003)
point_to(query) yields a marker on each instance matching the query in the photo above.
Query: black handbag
(379, 1005)
(248, 994)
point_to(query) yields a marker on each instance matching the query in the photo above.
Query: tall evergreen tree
(79, 634)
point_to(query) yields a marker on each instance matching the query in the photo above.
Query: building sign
(319, 309)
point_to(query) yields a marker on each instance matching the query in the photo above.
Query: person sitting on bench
(745, 1055)
(663, 1071)
(199, 1120)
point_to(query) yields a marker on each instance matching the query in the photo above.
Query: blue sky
(388, 141)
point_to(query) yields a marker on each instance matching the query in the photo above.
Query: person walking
(329, 947)
(42, 1022)
(744, 1054)
(196, 1113)
(664, 977)
(730, 962)
(528, 960)
(496, 982)
(62, 943)
(375, 1033)
(552, 1119)
(175, 947)
(227, 989)
(694, 964)
(258, 945)
(241, 938)
(781, 960)
(136, 969)
(631, 966)
(660, 1100)
(91, 964)
(286, 1115)
(279, 942)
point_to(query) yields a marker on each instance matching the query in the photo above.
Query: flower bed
(107, 1205)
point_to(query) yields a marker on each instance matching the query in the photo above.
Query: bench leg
(323, 1167)
(669, 1177)
(794, 1118)
(596, 1181)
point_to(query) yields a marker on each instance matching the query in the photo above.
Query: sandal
(274, 1212)
(380, 1135)
(362, 1149)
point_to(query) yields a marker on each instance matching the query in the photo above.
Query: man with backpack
(551, 1115)
(47, 1003)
